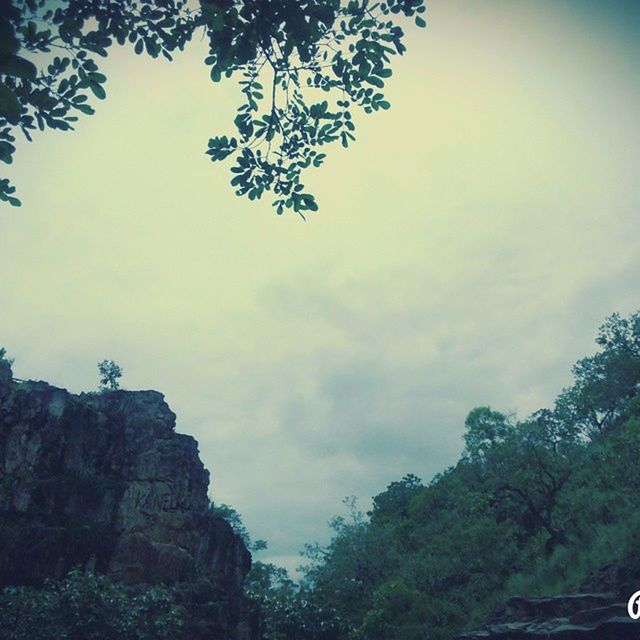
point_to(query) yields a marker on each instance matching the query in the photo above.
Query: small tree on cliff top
(109, 373)
(5, 364)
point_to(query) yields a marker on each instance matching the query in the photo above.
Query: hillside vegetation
(532, 507)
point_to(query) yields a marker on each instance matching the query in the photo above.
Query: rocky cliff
(103, 482)
(596, 611)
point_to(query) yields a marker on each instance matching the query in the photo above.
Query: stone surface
(579, 616)
(103, 481)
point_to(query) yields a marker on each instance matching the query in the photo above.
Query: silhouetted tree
(109, 372)
(48, 70)
(5, 365)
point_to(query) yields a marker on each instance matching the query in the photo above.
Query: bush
(84, 606)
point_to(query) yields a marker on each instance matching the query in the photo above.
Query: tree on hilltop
(110, 373)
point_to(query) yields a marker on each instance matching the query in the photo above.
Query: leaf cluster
(318, 59)
(110, 373)
(48, 59)
(305, 66)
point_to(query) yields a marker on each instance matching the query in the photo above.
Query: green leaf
(421, 22)
(153, 48)
(11, 65)
(97, 90)
(98, 77)
(8, 41)
(84, 108)
(6, 152)
(9, 105)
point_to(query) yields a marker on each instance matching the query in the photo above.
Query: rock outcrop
(582, 615)
(103, 482)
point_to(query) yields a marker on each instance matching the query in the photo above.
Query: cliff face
(102, 481)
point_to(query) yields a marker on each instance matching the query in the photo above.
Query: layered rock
(578, 616)
(103, 482)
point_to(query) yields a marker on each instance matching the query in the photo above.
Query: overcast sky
(466, 250)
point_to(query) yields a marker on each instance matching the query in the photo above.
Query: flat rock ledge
(581, 616)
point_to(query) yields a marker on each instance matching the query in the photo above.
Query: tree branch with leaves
(322, 58)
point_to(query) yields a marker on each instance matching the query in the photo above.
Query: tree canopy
(303, 66)
(109, 373)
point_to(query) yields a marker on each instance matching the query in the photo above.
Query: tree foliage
(110, 373)
(290, 609)
(4, 358)
(303, 66)
(84, 606)
(5, 365)
(231, 515)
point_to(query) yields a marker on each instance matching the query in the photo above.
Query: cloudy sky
(466, 250)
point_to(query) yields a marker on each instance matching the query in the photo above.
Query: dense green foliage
(532, 507)
(341, 50)
(88, 607)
